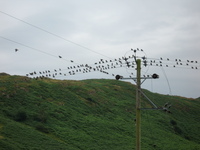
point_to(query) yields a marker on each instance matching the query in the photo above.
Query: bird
(16, 50)
(72, 61)
(60, 56)
(143, 57)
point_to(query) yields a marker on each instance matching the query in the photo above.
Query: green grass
(90, 115)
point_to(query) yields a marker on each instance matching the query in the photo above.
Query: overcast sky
(84, 32)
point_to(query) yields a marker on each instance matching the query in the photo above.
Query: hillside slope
(90, 115)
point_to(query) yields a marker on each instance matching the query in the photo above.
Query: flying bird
(16, 50)
(60, 56)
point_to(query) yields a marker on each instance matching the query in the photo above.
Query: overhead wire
(51, 33)
(31, 47)
(39, 28)
(102, 66)
(170, 91)
(59, 57)
(114, 63)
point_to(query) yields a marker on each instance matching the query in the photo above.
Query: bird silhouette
(16, 50)
(60, 56)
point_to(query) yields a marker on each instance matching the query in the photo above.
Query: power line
(170, 91)
(32, 48)
(101, 66)
(104, 65)
(87, 68)
(60, 37)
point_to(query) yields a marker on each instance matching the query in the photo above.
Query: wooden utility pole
(138, 105)
(138, 99)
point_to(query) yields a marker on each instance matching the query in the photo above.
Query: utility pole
(138, 101)
(138, 105)
(139, 92)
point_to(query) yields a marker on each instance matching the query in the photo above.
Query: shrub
(173, 122)
(21, 116)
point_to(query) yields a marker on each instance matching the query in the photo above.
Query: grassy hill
(91, 115)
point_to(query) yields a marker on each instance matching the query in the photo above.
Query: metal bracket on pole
(148, 99)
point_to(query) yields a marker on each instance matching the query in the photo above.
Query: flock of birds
(103, 65)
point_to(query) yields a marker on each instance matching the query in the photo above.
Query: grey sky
(108, 29)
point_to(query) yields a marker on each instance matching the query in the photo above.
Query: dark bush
(21, 116)
(173, 122)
